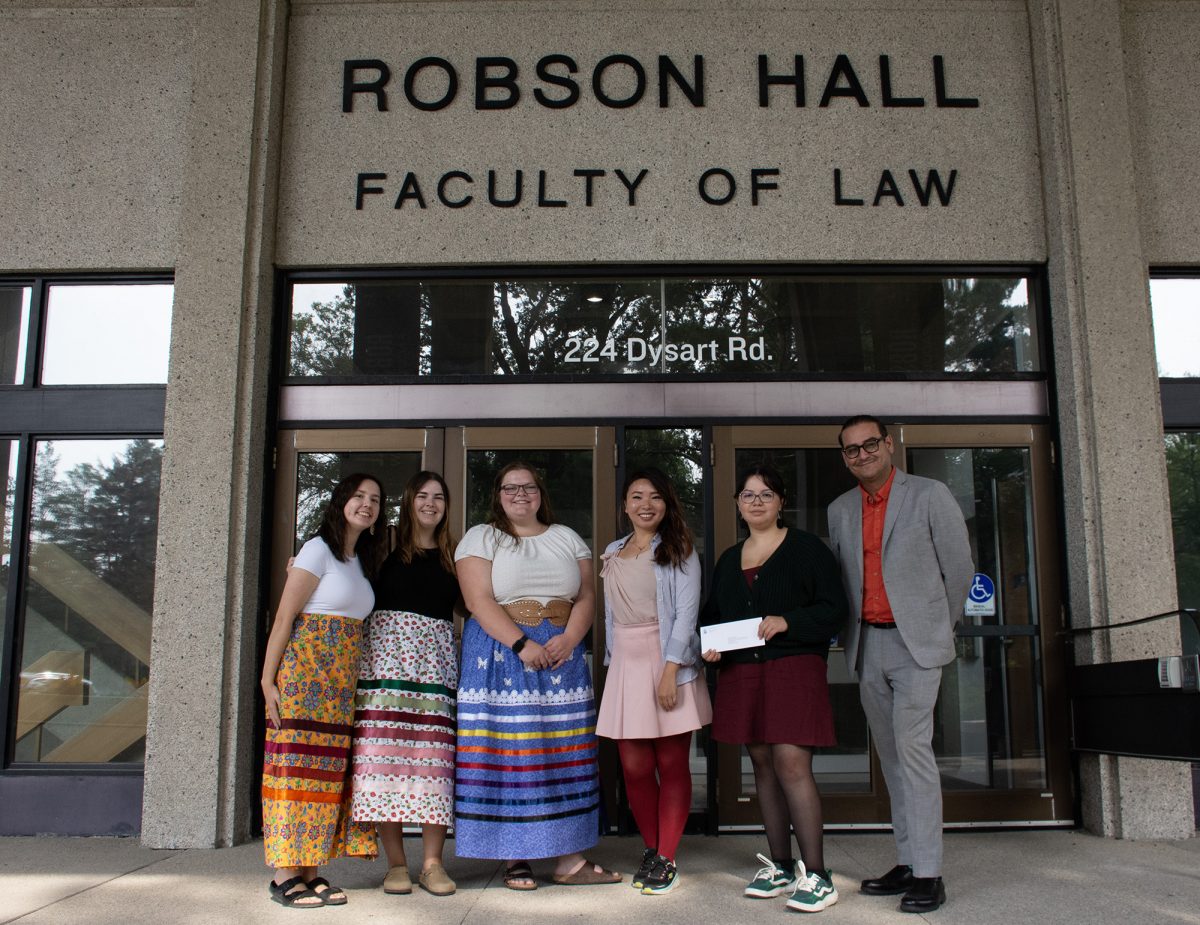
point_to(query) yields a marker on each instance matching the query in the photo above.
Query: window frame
(33, 412)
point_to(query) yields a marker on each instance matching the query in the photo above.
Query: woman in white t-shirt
(526, 782)
(308, 680)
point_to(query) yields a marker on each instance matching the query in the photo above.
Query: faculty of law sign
(431, 84)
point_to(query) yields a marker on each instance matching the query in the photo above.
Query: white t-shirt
(343, 589)
(539, 568)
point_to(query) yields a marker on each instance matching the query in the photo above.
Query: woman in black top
(774, 698)
(405, 703)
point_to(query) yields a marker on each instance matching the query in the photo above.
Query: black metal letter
(361, 188)
(693, 91)
(350, 86)
(505, 203)
(838, 198)
(633, 184)
(559, 80)
(441, 189)
(885, 87)
(639, 87)
(843, 68)
(717, 172)
(507, 82)
(757, 181)
(410, 82)
(939, 86)
(589, 176)
(766, 80)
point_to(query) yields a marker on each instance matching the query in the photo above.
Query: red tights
(658, 782)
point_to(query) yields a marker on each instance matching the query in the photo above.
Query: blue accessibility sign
(981, 598)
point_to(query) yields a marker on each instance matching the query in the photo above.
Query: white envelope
(740, 634)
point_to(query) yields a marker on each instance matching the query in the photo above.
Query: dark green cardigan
(801, 582)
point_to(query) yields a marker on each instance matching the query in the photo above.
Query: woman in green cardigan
(774, 698)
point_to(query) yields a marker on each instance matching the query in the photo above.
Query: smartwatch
(519, 645)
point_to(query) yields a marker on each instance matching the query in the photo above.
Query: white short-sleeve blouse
(539, 568)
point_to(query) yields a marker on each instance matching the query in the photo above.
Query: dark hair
(371, 547)
(499, 519)
(675, 536)
(861, 419)
(406, 524)
(771, 478)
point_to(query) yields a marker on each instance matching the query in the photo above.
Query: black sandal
(520, 877)
(281, 893)
(331, 895)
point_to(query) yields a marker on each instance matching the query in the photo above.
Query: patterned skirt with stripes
(404, 721)
(306, 819)
(527, 778)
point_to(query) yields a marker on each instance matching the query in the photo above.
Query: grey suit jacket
(927, 568)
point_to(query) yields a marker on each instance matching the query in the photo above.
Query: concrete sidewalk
(1006, 877)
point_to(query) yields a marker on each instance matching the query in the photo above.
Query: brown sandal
(589, 874)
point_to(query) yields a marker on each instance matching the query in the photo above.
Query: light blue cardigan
(678, 602)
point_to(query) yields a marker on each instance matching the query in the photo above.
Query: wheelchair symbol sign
(981, 598)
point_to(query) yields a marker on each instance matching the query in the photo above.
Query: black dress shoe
(896, 880)
(925, 895)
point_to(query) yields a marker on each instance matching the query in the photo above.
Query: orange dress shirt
(875, 605)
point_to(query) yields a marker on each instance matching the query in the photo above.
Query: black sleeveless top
(421, 586)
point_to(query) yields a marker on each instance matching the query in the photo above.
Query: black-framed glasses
(749, 497)
(511, 491)
(870, 446)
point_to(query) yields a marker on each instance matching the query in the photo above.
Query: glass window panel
(8, 465)
(566, 473)
(1175, 304)
(988, 728)
(112, 334)
(85, 632)
(993, 487)
(987, 723)
(1183, 474)
(14, 332)
(682, 327)
(318, 473)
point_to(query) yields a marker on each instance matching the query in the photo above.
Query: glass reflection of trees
(787, 325)
(87, 606)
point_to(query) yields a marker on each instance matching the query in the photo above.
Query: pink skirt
(629, 708)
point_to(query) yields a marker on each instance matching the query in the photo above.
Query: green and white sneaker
(770, 881)
(814, 891)
(662, 879)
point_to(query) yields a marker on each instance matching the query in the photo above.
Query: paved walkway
(1007, 877)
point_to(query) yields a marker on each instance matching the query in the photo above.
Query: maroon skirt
(780, 701)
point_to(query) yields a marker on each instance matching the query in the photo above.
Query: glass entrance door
(999, 760)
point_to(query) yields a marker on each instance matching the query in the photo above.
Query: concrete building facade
(236, 147)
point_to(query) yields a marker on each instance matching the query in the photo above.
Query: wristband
(519, 645)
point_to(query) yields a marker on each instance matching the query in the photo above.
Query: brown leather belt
(531, 613)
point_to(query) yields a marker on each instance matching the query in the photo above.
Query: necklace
(640, 549)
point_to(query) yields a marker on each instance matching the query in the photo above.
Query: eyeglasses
(870, 446)
(749, 497)
(511, 491)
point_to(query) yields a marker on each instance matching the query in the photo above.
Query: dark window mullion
(19, 520)
(33, 341)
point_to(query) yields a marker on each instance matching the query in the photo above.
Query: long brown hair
(675, 537)
(406, 524)
(371, 546)
(499, 519)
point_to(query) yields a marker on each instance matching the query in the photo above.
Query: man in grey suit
(906, 563)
